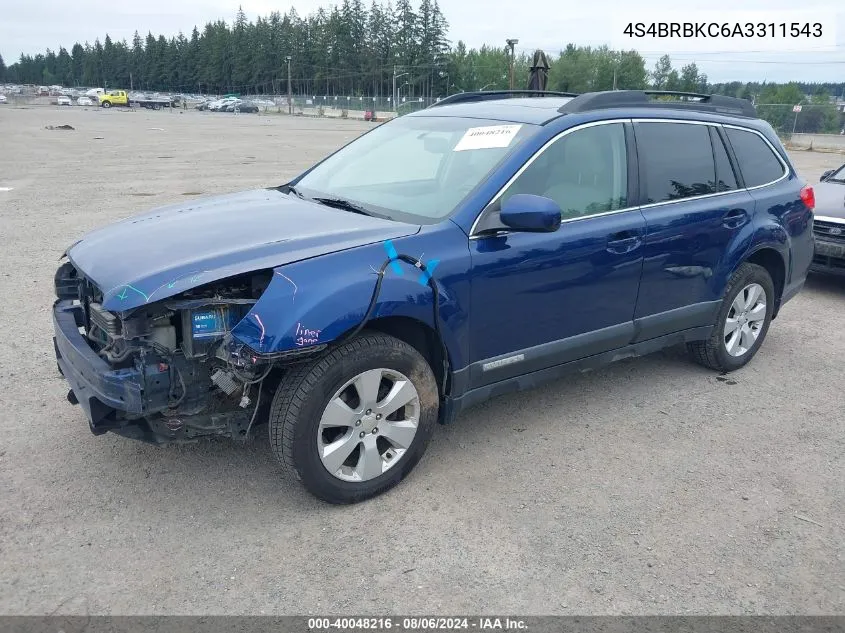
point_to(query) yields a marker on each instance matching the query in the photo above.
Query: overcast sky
(31, 26)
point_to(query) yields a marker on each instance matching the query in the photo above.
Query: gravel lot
(652, 486)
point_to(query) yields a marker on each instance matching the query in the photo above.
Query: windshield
(414, 168)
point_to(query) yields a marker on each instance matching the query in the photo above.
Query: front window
(415, 168)
(584, 171)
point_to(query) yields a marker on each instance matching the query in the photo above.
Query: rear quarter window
(757, 162)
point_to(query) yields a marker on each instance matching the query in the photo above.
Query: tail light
(808, 196)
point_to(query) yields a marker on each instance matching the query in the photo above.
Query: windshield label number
(487, 137)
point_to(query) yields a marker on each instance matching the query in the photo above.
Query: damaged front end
(165, 371)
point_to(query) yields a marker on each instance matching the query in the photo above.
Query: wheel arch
(423, 338)
(773, 261)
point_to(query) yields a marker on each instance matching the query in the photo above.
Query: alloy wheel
(745, 320)
(368, 424)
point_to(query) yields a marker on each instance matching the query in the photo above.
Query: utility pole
(290, 96)
(395, 95)
(512, 42)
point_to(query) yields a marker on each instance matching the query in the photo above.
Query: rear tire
(106, 104)
(742, 322)
(323, 425)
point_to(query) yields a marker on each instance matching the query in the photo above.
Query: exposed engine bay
(196, 379)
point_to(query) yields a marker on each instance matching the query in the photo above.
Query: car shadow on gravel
(239, 473)
(829, 285)
(620, 385)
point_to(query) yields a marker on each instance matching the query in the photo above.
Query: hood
(830, 199)
(172, 249)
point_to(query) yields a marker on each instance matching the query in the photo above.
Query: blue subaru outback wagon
(484, 245)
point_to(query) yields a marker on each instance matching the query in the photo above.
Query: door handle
(734, 218)
(623, 242)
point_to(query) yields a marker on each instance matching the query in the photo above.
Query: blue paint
(337, 303)
(392, 255)
(225, 236)
(500, 294)
(429, 271)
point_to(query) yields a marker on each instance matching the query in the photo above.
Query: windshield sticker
(487, 137)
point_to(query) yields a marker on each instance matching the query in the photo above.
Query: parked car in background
(85, 101)
(240, 106)
(3, 99)
(220, 104)
(64, 100)
(829, 224)
(485, 245)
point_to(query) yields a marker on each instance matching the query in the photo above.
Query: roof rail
(486, 95)
(643, 98)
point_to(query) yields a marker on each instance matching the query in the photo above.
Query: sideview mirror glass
(826, 174)
(527, 212)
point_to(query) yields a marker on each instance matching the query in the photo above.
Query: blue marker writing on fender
(126, 288)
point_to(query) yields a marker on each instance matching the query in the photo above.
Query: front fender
(316, 301)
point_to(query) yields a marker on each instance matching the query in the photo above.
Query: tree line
(346, 50)
(356, 51)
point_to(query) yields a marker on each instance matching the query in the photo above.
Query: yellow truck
(121, 98)
(114, 98)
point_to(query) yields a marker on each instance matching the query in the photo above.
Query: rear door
(696, 216)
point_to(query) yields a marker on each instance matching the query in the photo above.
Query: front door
(542, 299)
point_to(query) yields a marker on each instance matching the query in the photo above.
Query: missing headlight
(204, 326)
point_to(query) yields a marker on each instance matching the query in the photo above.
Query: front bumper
(108, 396)
(829, 257)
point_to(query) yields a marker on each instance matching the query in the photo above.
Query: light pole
(396, 105)
(290, 97)
(512, 42)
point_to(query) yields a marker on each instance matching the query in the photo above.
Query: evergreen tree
(351, 49)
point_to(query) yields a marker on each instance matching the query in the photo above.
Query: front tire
(742, 322)
(353, 423)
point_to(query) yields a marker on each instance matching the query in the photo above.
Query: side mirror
(527, 212)
(826, 174)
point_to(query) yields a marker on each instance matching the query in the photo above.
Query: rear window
(677, 160)
(757, 162)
